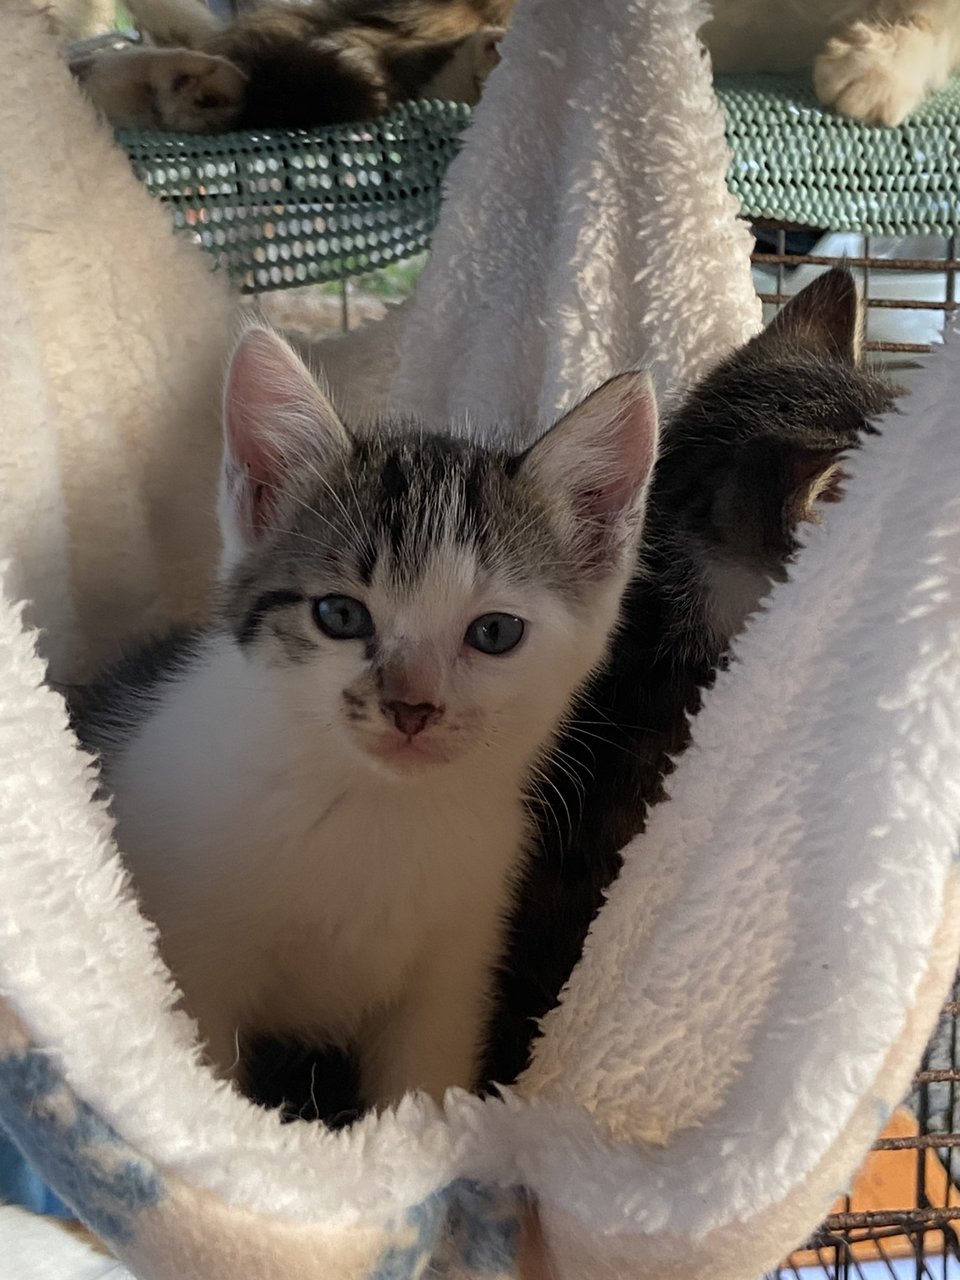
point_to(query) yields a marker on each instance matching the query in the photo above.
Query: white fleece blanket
(757, 991)
(112, 336)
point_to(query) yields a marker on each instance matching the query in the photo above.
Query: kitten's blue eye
(495, 633)
(343, 618)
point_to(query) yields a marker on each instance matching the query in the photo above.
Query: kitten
(749, 456)
(875, 60)
(321, 797)
(293, 66)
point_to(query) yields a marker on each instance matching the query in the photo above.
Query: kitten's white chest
(295, 888)
(360, 899)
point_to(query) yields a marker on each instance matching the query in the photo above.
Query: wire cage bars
(902, 1218)
(908, 283)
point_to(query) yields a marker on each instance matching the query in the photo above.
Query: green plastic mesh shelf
(285, 208)
(795, 161)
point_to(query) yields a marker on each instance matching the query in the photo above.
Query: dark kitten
(746, 458)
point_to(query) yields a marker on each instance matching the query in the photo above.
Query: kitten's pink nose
(412, 718)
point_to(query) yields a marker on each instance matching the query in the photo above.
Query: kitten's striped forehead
(409, 514)
(398, 500)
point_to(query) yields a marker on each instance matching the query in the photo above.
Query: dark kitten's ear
(274, 417)
(812, 476)
(761, 502)
(600, 457)
(826, 317)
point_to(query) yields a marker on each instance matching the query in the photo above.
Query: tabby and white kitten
(876, 60)
(321, 796)
(750, 455)
(293, 65)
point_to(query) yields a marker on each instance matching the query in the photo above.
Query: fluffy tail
(188, 23)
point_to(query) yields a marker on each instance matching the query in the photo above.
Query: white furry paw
(878, 74)
(174, 89)
(196, 92)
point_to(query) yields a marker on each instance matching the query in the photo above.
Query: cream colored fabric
(760, 984)
(112, 337)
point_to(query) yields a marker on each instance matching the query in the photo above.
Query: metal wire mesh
(908, 284)
(917, 1239)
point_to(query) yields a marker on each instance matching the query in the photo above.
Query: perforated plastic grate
(294, 207)
(794, 161)
(288, 208)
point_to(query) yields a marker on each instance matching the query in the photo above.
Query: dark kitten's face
(758, 445)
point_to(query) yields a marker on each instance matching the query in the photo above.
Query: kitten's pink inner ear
(253, 399)
(630, 451)
(273, 414)
(814, 476)
(602, 454)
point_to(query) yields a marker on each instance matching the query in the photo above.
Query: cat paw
(485, 51)
(878, 74)
(463, 77)
(174, 89)
(196, 92)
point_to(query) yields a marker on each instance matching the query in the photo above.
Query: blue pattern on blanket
(465, 1228)
(484, 1227)
(79, 1154)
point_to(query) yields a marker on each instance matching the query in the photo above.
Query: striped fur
(294, 66)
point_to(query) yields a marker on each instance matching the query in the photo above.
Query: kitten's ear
(601, 455)
(274, 417)
(826, 317)
(812, 476)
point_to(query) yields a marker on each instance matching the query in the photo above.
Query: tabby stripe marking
(280, 599)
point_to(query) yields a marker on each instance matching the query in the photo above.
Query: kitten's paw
(485, 52)
(878, 74)
(173, 89)
(462, 79)
(196, 92)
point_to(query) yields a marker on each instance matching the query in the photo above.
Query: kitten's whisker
(544, 778)
(613, 724)
(566, 765)
(605, 718)
(313, 1089)
(576, 730)
(301, 502)
(361, 515)
(236, 1050)
(534, 792)
(350, 536)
